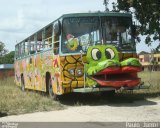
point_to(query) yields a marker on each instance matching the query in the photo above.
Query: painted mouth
(118, 77)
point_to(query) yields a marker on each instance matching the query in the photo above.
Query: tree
(9, 58)
(147, 12)
(3, 51)
(6, 58)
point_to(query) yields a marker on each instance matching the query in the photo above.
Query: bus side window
(56, 45)
(32, 45)
(39, 41)
(56, 33)
(48, 37)
(16, 52)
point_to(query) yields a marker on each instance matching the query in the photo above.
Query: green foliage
(3, 51)
(147, 12)
(8, 58)
(5, 58)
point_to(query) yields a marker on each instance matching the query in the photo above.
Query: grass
(153, 77)
(14, 101)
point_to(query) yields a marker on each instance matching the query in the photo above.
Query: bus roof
(97, 14)
(117, 14)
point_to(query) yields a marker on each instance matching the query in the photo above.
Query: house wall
(4, 73)
(146, 59)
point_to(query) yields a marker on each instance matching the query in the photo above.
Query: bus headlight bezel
(79, 72)
(72, 72)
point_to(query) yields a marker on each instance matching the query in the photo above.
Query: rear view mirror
(57, 28)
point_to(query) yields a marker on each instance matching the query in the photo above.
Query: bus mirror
(57, 28)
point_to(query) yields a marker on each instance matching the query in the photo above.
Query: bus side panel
(39, 73)
(24, 63)
(51, 64)
(30, 76)
(21, 71)
(56, 76)
(45, 66)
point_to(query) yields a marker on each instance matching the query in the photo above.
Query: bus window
(56, 38)
(39, 43)
(32, 45)
(48, 37)
(21, 49)
(117, 31)
(26, 43)
(56, 45)
(79, 32)
(16, 52)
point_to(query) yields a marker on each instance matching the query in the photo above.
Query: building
(150, 61)
(6, 70)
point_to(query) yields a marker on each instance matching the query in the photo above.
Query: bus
(80, 52)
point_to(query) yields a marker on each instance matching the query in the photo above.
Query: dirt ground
(138, 110)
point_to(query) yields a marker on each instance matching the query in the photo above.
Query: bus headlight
(71, 71)
(76, 72)
(79, 72)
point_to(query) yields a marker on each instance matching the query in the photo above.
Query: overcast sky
(21, 18)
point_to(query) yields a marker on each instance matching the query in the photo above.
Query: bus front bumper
(101, 89)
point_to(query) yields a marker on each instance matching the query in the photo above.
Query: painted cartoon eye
(109, 53)
(96, 54)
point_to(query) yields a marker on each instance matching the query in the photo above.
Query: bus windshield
(117, 31)
(80, 32)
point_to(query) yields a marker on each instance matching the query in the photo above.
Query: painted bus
(80, 52)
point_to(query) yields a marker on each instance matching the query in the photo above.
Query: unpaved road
(141, 110)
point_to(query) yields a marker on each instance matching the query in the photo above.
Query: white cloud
(12, 24)
(20, 18)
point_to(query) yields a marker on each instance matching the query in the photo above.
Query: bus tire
(22, 83)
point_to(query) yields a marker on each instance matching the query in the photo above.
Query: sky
(21, 18)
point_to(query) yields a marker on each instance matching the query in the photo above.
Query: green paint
(131, 62)
(100, 57)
